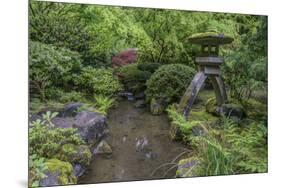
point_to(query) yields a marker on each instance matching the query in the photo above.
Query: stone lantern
(209, 67)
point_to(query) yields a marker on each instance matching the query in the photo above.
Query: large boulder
(70, 109)
(63, 122)
(58, 173)
(91, 126)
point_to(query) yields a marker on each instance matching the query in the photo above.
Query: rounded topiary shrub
(169, 82)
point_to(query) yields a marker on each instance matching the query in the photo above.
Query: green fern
(103, 104)
(184, 126)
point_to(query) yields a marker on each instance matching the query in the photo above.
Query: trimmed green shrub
(98, 81)
(169, 82)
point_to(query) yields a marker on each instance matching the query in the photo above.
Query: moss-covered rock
(232, 109)
(75, 154)
(255, 109)
(58, 173)
(156, 108)
(211, 106)
(189, 167)
(102, 148)
(235, 111)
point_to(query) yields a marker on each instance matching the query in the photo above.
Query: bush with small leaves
(45, 140)
(50, 66)
(98, 81)
(169, 82)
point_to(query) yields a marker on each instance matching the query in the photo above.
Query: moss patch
(80, 154)
(189, 167)
(255, 109)
(63, 169)
(201, 115)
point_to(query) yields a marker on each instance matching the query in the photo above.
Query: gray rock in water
(142, 144)
(79, 170)
(91, 126)
(51, 179)
(156, 108)
(128, 95)
(139, 104)
(102, 148)
(70, 109)
(63, 122)
(140, 95)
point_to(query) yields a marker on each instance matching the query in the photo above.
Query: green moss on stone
(255, 109)
(63, 169)
(189, 167)
(210, 37)
(211, 106)
(80, 154)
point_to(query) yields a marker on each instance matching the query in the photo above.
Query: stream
(140, 143)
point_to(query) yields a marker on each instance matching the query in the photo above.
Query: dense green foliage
(98, 32)
(169, 82)
(51, 67)
(98, 81)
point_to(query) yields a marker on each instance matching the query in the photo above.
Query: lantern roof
(210, 38)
